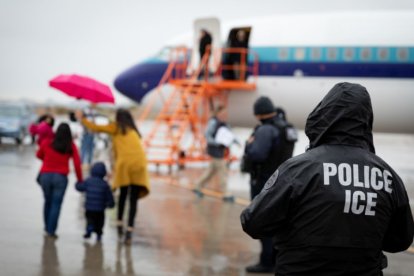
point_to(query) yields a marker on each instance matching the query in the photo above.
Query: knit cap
(263, 105)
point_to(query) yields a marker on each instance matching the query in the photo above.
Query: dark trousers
(204, 71)
(268, 254)
(133, 191)
(95, 221)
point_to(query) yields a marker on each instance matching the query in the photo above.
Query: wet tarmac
(176, 234)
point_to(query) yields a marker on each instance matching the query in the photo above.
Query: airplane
(301, 57)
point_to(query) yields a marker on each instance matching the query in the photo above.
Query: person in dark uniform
(204, 46)
(233, 60)
(267, 148)
(239, 59)
(335, 208)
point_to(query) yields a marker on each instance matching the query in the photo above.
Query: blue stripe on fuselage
(335, 54)
(374, 62)
(381, 62)
(374, 70)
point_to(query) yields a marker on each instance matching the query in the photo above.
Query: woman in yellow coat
(130, 173)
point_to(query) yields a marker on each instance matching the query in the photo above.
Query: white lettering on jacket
(358, 202)
(358, 176)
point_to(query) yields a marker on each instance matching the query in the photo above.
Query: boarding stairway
(177, 133)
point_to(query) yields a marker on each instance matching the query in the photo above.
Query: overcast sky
(40, 39)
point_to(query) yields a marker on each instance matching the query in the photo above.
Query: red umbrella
(81, 87)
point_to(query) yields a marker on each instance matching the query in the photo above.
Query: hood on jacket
(343, 117)
(98, 170)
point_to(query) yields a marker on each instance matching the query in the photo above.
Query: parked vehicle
(15, 119)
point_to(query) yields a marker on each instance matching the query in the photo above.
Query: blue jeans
(54, 187)
(87, 148)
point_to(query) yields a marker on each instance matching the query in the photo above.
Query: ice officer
(334, 209)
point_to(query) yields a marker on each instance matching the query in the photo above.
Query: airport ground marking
(209, 193)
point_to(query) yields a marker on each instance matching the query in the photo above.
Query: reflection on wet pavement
(177, 233)
(50, 259)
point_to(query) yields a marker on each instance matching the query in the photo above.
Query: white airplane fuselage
(301, 57)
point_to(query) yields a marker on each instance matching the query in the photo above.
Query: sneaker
(229, 199)
(259, 268)
(198, 193)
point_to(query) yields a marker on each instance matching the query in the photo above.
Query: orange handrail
(244, 67)
(189, 104)
(166, 76)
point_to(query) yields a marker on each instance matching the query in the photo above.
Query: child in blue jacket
(98, 197)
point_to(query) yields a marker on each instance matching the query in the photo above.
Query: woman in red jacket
(43, 129)
(55, 154)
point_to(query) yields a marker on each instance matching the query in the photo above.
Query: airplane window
(316, 53)
(365, 53)
(332, 53)
(164, 53)
(283, 53)
(300, 54)
(349, 54)
(402, 54)
(383, 54)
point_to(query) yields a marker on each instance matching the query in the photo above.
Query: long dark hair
(124, 121)
(62, 142)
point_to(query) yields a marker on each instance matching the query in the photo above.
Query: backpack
(288, 137)
(246, 164)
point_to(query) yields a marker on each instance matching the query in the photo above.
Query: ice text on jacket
(372, 178)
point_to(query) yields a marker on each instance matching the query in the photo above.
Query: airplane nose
(138, 80)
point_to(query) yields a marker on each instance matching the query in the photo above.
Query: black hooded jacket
(333, 209)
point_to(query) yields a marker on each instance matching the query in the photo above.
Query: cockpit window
(173, 52)
(164, 53)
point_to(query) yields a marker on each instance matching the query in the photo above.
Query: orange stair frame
(186, 110)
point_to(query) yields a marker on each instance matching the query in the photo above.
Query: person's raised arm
(109, 128)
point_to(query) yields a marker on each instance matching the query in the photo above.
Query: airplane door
(232, 38)
(238, 38)
(212, 25)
